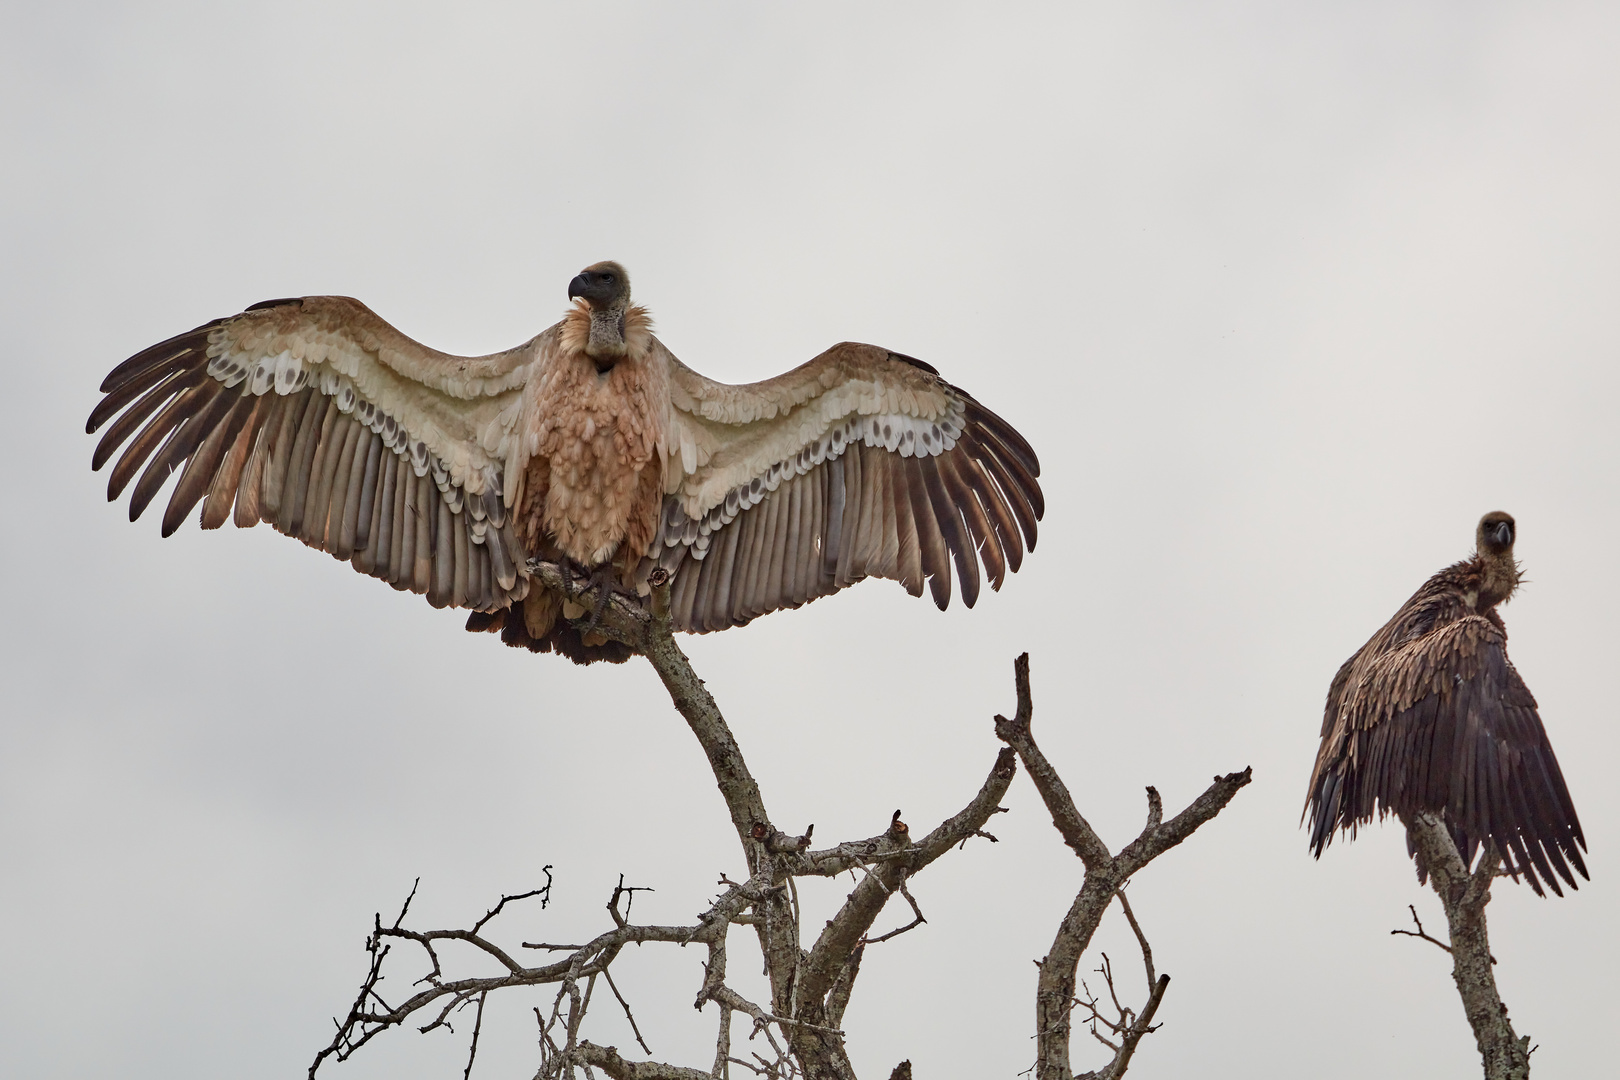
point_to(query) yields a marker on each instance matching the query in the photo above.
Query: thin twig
(478, 1026)
(628, 1015)
(1419, 932)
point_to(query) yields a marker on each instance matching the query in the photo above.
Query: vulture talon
(603, 580)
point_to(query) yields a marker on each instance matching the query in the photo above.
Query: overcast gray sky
(1285, 295)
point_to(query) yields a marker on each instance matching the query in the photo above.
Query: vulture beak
(578, 287)
(1503, 534)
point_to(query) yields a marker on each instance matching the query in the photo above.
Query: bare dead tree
(1105, 878)
(798, 1032)
(1463, 894)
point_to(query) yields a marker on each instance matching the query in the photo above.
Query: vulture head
(605, 288)
(603, 285)
(1495, 535)
(1493, 544)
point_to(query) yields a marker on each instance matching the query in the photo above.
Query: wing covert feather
(1438, 720)
(318, 416)
(860, 463)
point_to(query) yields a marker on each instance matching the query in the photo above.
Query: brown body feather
(590, 444)
(1431, 716)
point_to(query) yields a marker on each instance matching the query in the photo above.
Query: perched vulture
(589, 444)
(1430, 715)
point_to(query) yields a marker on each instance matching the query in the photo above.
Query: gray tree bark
(1463, 895)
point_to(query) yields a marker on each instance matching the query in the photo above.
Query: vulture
(590, 445)
(1430, 716)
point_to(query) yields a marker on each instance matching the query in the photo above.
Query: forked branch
(1106, 874)
(799, 1031)
(1463, 895)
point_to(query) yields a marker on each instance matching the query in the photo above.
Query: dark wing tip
(265, 304)
(914, 362)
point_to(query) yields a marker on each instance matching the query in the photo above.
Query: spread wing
(319, 417)
(1443, 723)
(861, 463)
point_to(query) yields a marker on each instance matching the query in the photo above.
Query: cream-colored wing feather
(316, 415)
(861, 463)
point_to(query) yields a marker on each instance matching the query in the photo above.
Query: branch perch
(810, 988)
(1463, 895)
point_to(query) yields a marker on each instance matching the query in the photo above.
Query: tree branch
(1105, 874)
(608, 1060)
(810, 989)
(1506, 1056)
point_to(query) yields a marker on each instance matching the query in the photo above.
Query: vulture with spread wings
(590, 444)
(1430, 716)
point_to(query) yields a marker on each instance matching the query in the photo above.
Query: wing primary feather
(747, 526)
(793, 554)
(704, 595)
(780, 502)
(684, 593)
(296, 486)
(371, 510)
(1017, 498)
(781, 593)
(949, 519)
(1028, 486)
(412, 527)
(752, 553)
(348, 493)
(877, 519)
(206, 410)
(385, 538)
(155, 356)
(297, 414)
(158, 430)
(1543, 855)
(479, 593)
(908, 555)
(1003, 433)
(154, 399)
(979, 532)
(205, 462)
(488, 588)
(365, 515)
(807, 567)
(725, 593)
(136, 388)
(1001, 517)
(742, 572)
(347, 433)
(426, 514)
(837, 493)
(767, 595)
(250, 492)
(849, 526)
(935, 557)
(815, 557)
(337, 445)
(442, 587)
(456, 525)
(500, 566)
(227, 482)
(402, 560)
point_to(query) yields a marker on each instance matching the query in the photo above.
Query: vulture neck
(607, 336)
(1498, 578)
(606, 344)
